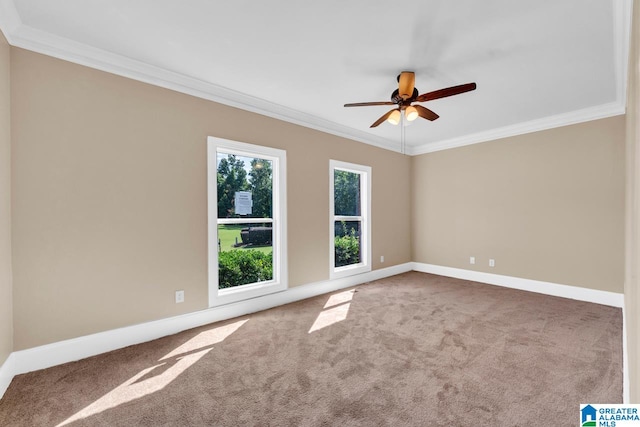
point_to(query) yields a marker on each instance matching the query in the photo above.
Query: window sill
(349, 270)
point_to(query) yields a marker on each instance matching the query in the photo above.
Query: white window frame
(365, 219)
(279, 220)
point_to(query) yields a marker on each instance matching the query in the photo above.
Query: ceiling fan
(406, 94)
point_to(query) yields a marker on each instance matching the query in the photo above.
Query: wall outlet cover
(179, 297)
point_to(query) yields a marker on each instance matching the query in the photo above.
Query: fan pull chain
(402, 141)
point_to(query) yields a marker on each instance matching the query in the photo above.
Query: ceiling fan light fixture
(394, 118)
(411, 113)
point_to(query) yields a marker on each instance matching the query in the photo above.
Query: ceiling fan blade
(367, 104)
(443, 93)
(383, 118)
(425, 113)
(406, 84)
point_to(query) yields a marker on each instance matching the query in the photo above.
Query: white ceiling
(537, 64)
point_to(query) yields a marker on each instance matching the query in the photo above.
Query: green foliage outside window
(347, 247)
(237, 268)
(260, 185)
(233, 177)
(346, 192)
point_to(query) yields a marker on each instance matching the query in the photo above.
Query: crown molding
(559, 120)
(9, 19)
(22, 36)
(622, 12)
(38, 41)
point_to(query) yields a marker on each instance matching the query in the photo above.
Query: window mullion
(244, 220)
(347, 218)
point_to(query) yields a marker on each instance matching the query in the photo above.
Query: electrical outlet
(381, 258)
(472, 260)
(492, 263)
(179, 297)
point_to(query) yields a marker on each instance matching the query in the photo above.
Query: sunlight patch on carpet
(207, 338)
(339, 298)
(336, 310)
(145, 382)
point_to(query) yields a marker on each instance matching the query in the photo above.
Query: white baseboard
(45, 356)
(626, 385)
(20, 362)
(565, 291)
(572, 292)
(6, 374)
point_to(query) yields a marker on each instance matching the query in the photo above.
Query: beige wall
(109, 212)
(6, 298)
(546, 206)
(632, 271)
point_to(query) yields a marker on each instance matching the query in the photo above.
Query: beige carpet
(414, 349)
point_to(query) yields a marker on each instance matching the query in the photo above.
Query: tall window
(350, 223)
(247, 227)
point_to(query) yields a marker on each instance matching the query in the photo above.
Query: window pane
(346, 193)
(245, 187)
(347, 243)
(245, 254)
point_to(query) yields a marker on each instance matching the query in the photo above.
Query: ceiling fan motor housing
(397, 99)
(406, 84)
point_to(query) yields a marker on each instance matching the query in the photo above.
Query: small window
(247, 227)
(350, 224)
